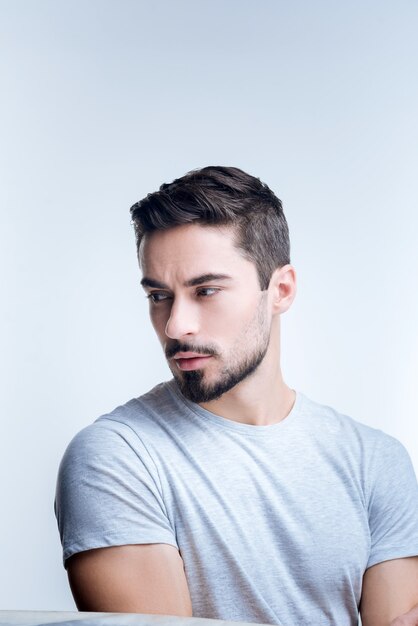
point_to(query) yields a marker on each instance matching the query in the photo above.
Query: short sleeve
(393, 504)
(108, 491)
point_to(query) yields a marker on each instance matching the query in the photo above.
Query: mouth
(187, 361)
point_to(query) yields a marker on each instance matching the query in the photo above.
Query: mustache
(173, 348)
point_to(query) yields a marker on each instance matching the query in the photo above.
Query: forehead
(191, 249)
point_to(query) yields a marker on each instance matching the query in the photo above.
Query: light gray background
(101, 102)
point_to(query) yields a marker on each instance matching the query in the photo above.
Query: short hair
(217, 195)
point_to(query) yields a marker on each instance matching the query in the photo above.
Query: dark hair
(218, 195)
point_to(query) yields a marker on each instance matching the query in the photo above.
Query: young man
(223, 493)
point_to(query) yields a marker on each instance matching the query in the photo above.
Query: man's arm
(390, 589)
(145, 578)
(408, 619)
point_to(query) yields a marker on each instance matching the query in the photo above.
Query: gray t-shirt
(275, 524)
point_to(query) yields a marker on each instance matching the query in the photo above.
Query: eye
(206, 291)
(156, 297)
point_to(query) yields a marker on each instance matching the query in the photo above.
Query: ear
(282, 288)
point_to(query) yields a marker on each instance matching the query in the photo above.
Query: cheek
(228, 319)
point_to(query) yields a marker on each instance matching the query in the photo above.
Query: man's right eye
(156, 297)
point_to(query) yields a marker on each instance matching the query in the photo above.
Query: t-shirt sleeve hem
(115, 539)
(400, 552)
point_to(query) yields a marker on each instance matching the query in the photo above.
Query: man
(223, 493)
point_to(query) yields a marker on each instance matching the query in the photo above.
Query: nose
(183, 320)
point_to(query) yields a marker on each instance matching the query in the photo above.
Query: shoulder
(361, 448)
(128, 425)
(374, 462)
(114, 452)
(108, 489)
(333, 423)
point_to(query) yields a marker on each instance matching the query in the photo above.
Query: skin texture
(407, 619)
(230, 316)
(238, 325)
(390, 589)
(242, 360)
(145, 578)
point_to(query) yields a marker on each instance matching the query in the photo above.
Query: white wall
(104, 100)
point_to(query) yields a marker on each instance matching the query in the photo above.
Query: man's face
(206, 307)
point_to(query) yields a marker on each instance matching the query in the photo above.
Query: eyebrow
(192, 282)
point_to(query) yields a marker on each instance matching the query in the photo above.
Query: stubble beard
(192, 384)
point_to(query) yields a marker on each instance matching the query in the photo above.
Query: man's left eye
(207, 291)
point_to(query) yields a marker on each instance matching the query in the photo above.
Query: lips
(189, 355)
(187, 361)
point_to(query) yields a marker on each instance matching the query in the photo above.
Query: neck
(263, 398)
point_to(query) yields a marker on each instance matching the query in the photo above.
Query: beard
(193, 386)
(192, 383)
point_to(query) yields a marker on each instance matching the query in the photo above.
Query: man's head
(222, 196)
(213, 294)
